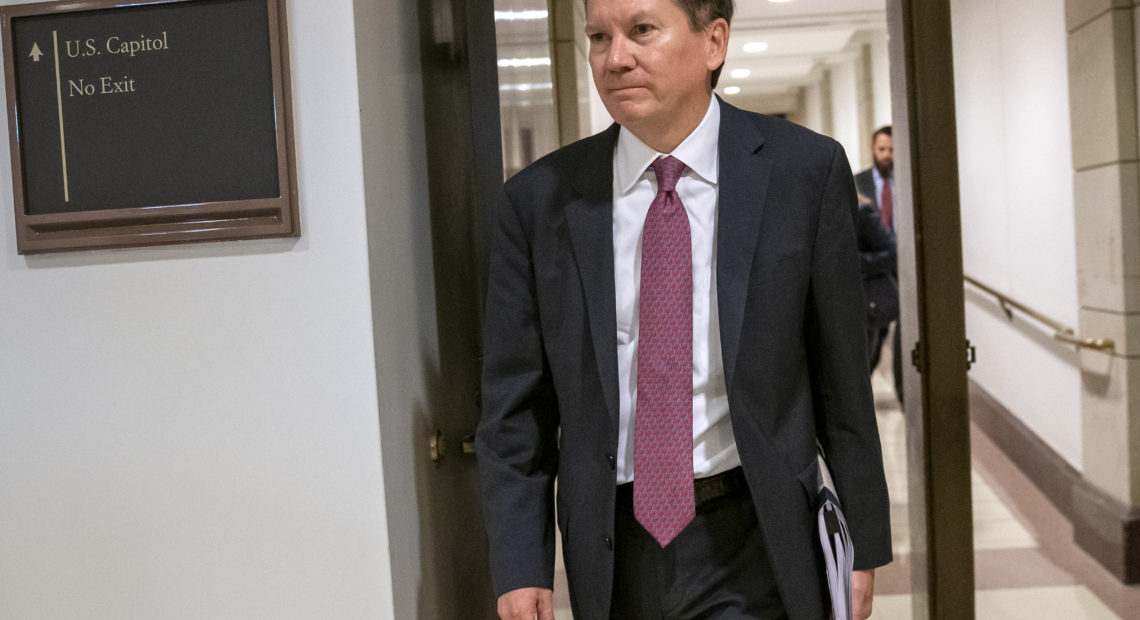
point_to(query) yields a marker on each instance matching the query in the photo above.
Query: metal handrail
(1061, 331)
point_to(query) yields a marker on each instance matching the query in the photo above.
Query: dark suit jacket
(876, 244)
(865, 185)
(878, 250)
(791, 315)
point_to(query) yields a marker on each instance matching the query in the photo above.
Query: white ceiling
(802, 36)
(763, 9)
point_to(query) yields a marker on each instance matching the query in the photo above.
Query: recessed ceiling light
(526, 87)
(755, 47)
(779, 1)
(524, 62)
(732, 90)
(512, 16)
(740, 74)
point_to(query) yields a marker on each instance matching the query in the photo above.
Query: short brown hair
(704, 12)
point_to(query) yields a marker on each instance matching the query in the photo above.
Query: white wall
(1017, 206)
(191, 432)
(845, 112)
(881, 81)
(812, 106)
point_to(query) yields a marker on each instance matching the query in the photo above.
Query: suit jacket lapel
(591, 233)
(743, 185)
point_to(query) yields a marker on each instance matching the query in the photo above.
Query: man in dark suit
(674, 319)
(876, 187)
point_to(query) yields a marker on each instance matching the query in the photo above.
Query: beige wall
(192, 432)
(1103, 51)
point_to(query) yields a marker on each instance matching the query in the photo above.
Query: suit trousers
(875, 339)
(897, 363)
(717, 567)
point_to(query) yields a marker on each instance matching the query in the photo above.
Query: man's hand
(531, 603)
(862, 591)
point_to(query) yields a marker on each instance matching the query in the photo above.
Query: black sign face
(145, 106)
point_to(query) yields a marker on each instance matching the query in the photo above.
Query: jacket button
(612, 461)
(609, 542)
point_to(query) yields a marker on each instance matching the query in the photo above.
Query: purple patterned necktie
(887, 205)
(663, 427)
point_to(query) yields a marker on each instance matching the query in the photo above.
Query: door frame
(934, 345)
(930, 260)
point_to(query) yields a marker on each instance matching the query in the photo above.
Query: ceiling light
(526, 87)
(755, 47)
(511, 16)
(524, 62)
(778, 1)
(732, 90)
(740, 74)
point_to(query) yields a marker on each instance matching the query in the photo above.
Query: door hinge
(916, 357)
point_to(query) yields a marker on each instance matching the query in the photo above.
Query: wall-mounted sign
(162, 121)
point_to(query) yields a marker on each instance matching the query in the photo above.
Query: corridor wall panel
(191, 431)
(1015, 165)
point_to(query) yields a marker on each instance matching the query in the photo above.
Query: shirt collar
(698, 151)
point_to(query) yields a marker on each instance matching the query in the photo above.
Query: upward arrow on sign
(36, 53)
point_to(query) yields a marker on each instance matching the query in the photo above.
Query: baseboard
(1107, 530)
(1103, 526)
(1052, 475)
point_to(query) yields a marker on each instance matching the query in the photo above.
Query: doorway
(463, 81)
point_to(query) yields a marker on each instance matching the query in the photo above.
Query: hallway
(1026, 565)
(1041, 215)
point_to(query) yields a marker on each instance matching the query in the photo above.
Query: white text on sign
(104, 85)
(81, 48)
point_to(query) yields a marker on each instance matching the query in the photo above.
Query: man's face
(884, 153)
(649, 66)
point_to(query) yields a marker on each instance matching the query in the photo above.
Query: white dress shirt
(635, 186)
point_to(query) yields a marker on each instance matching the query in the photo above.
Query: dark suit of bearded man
(790, 311)
(870, 184)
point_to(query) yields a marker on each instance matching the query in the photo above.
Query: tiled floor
(1025, 562)
(1026, 565)
(1060, 602)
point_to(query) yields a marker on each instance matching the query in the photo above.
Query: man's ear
(717, 36)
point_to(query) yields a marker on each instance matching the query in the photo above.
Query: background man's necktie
(887, 206)
(663, 428)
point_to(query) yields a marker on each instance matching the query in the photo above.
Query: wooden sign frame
(154, 224)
